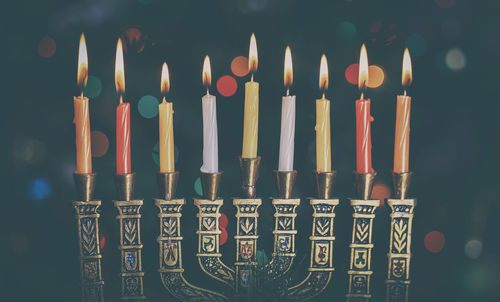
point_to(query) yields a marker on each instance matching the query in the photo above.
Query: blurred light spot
(473, 248)
(99, 143)
(197, 186)
(455, 59)
(134, 40)
(148, 106)
(477, 280)
(434, 241)
(445, 3)
(102, 241)
(223, 236)
(251, 6)
(93, 88)
(28, 150)
(239, 66)
(346, 30)
(381, 191)
(416, 44)
(451, 28)
(223, 220)
(46, 47)
(226, 85)
(145, 2)
(376, 75)
(40, 189)
(19, 244)
(156, 154)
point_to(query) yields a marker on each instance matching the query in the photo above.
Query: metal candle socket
(284, 183)
(249, 175)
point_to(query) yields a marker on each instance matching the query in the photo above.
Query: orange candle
(363, 120)
(81, 119)
(123, 165)
(402, 135)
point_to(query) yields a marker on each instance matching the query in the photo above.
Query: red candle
(363, 120)
(123, 165)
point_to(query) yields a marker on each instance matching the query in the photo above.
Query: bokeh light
(40, 188)
(223, 236)
(346, 30)
(381, 191)
(476, 279)
(197, 186)
(223, 221)
(455, 59)
(99, 143)
(445, 3)
(473, 248)
(156, 154)
(27, 150)
(239, 66)
(227, 86)
(148, 106)
(434, 241)
(416, 44)
(134, 40)
(93, 88)
(102, 241)
(46, 47)
(376, 75)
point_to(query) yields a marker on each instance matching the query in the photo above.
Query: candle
(323, 139)
(210, 140)
(402, 136)
(81, 119)
(166, 111)
(287, 135)
(363, 120)
(123, 165)
(251, 115)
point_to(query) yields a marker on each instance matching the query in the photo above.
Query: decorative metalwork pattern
(208, 232)
(321, 260)
(361, 249)
(129, 216)
(87, 215)
(246, 244)
(171, 270)
(398, 275)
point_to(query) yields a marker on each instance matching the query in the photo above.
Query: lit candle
(363, 120)
(402, 137)
(166, 112)
(123, 165)
(323, 139)
(210, 141)
(81, 119)
(251, 115)
(287, 136)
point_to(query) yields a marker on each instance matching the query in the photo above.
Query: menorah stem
(321, 259)
(209, 256)
(171, 270)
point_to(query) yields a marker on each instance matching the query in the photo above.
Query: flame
(363, 68)
(323, 73)
(288, 74)
(206, 76)
(407, 74)
(83, 69)
(252, 55)
(119, 69)
(165, 79)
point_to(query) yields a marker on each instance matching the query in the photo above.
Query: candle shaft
(323, 138)
(123, 165)
(402, 135)
(287, 135)
(167, 160)
(363, 137)
(82, 125)
(251, 120)
(210, 140)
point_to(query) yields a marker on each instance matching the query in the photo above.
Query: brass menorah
(244, 276)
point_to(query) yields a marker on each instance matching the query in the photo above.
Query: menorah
(244, 276)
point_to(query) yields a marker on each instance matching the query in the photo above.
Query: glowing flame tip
(165, 79)
(82, 74)
(363, 68)
(407, 77)
(252, 55)
(207, 72)
(323, 73)
(119, 69)
(288, 73)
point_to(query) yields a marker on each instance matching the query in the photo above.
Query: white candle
(287, 133)
(210, 141)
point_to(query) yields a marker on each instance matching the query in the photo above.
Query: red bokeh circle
(223, 236)
(434, 241)
(223, 220)
(226, 85)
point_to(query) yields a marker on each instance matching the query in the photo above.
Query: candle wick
(208, 91)
(323, 96)
(404, 93)
(251, 77)
(287, 91)
(81, 95)
(121, 98)
(362, 96)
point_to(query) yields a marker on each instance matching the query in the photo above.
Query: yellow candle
(166, 111)
(251, 115)
(323, 140)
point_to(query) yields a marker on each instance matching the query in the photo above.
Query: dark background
(454, 142)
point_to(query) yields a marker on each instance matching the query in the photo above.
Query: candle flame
(119, 69)
(407, 74)
(206, 76)
(363, 68)
(288, 68)
(165, 79)
(83, 70)
(323, 73)
(252, 55)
